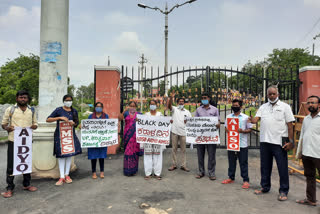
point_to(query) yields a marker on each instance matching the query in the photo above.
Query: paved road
(178, 190)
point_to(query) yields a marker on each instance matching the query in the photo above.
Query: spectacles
(311, 103)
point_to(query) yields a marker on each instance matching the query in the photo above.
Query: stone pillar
(310, 78)
(107, 91)
(53, 82)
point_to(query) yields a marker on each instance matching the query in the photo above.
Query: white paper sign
(202, 130)
(99, 133)
(153, 130)
(22, 152)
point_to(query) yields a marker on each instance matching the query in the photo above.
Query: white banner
(202, 130)
(153, 130)
(22, 151)
(99, 133)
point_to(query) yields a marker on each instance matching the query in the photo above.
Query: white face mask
(272, 102)
(153, 107)
(180, 107)
(67, 104)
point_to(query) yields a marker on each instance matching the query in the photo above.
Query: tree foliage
(18, 74)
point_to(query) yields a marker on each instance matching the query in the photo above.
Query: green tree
(85, 94)
(21, 73)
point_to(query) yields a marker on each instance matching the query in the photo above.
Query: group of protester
(276, 139)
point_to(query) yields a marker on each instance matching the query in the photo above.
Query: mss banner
(99, 133)
(233, 140)
(153, 130)
(202, 130)
(66, 138)
(22, 152)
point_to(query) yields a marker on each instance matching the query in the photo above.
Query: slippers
(199, 176)
(147, 177)
(245, 185)
(185, 169)
(227, 181)
(259, 192)
(172, 168)
(30, 188)
(212, 178)
(306, 202)
(158, 177)
(7, 194)
(282, 197)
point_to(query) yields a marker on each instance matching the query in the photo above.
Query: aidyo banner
(22, 152)
(99, 132)
(153, 130)
(66, 138)
(202, 130)
(233, 140)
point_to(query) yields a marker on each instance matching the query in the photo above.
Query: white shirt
(274, 119)
(158, 114)
(310, 136)
(243, 118)
(178, 117)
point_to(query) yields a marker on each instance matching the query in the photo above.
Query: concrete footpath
(178, 192)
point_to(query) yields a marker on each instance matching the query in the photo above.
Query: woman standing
(153, 153)
(67, 114)
(97, 153)
(131, 147)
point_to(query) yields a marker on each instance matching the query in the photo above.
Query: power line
(307, 34)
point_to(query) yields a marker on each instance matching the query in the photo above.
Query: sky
(206, 32)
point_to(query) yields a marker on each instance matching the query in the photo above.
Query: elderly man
(178, 132)
(276, 138)
(309, 149)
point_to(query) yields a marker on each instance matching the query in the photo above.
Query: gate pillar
(310, 78)
(107, 91)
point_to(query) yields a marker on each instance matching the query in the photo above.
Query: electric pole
(141, 62)
(314, 39)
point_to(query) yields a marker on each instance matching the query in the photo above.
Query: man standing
(309, 149)
(19, 115)
(276, 138)
(207, 110)
(178, 132)
(242, 155)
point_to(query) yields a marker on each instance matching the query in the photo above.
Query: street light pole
(314, 39)
(166, 13)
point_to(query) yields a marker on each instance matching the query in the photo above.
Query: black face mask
(312, 109)
(235, 109)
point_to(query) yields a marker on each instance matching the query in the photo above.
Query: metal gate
(223, 85)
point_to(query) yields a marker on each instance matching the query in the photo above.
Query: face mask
(98, 109)
(153, 107)
(180, 107)
(272, 102)
(205, 102)
(312, 109)
(67, 103)
(132, 111)
(235, 109)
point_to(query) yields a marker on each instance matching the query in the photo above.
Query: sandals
(259, 191)
(212, 178)
(185, 169)
(172, 168)
(94, 176)
(60, 182)
(306, 202)
(102, 175)
(158, 177)
(245, 185)
(7, 194)
(282, 197)
(68, 179)
(147, 177)
(30, 188)
(227, 181)
(199, 176)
